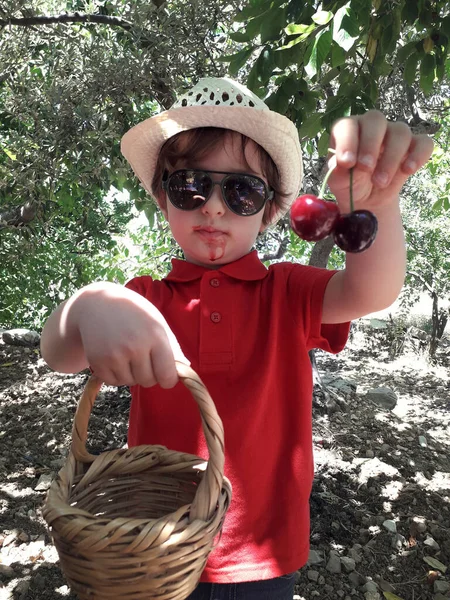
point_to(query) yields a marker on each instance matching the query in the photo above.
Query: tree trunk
(439, 319)
(321, 252)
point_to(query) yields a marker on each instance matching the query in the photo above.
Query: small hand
(383, 155)
(126, 340)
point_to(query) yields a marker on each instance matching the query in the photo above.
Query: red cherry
(355, 231)
(313, 218)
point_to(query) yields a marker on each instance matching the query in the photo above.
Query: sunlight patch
(63, 590)
(439, 481)
(374, 467)
(392, 490)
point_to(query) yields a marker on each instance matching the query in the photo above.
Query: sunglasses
(244, 194)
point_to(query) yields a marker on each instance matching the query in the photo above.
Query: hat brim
(273, 132)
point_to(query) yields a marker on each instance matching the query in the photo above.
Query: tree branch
(74, 18)
(422, 281)
(279, 253)
(18, 216)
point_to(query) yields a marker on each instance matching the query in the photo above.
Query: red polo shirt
(246, 330)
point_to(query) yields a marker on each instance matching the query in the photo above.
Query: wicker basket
(138, 523)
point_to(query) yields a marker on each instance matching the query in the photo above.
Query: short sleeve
(306, 289)
(141, 285)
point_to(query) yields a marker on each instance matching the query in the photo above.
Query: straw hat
(219, 102)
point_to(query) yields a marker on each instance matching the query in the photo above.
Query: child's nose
(215, 204)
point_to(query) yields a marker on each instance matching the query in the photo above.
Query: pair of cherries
(313, 218)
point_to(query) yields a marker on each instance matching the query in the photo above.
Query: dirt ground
(380, 505)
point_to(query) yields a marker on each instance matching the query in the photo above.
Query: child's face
(233, 235)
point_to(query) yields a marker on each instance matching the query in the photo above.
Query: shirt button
(216, 317)
(214, 282)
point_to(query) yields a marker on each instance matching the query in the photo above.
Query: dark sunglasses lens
(246, 195)
(188, 190)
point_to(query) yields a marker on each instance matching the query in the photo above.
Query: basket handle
(210, 487)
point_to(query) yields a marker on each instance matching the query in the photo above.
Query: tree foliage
(70, 86)
(341, 58)
(75, 75)
(427, 223)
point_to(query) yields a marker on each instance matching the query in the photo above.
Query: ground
(380, 506)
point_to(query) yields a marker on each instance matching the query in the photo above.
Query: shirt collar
(247, 268)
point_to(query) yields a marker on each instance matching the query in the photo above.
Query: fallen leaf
(10, 364)
(386, 586)
(436, 564)
(390, 596)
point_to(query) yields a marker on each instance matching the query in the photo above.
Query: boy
(223, 167)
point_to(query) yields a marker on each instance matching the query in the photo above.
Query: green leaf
(320, 50)
(436, 564)
(265, 64)
(253, 81)
(9, 154)
(279, 102)
(383, 67)
(362, 9)
(324, 143)
(409, 72)
(337, 55)
(445, 25)
(345, 28)
(410, 12)
(272, 25)
(322, 17)
(150, 213)
(291, 85)
(329, 76)
(254, 26)
(239, 60)
(405, 51)
(250, 11)
(438, 205)
(307, 100)
(300, 38)
(294, 29)
(240, 36)
(337, 107)
(311, 126)
(440, 68)
(284, 57)
(390, 596)
(427, 68)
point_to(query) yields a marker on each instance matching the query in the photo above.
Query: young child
(222, 168)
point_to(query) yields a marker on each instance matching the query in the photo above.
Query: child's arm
(122, 336)
(375, 148)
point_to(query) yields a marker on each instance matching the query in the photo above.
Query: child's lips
(209, 233)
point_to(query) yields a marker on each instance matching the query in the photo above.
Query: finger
(344, 139)
(396, 145)
(113, 376)
(419, 153)
(142, 371)
(163, 364)
(372, 131)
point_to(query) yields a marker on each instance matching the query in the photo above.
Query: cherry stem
(352, 207)
(324, 184)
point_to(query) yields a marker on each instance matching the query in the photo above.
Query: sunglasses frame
(269, 193)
